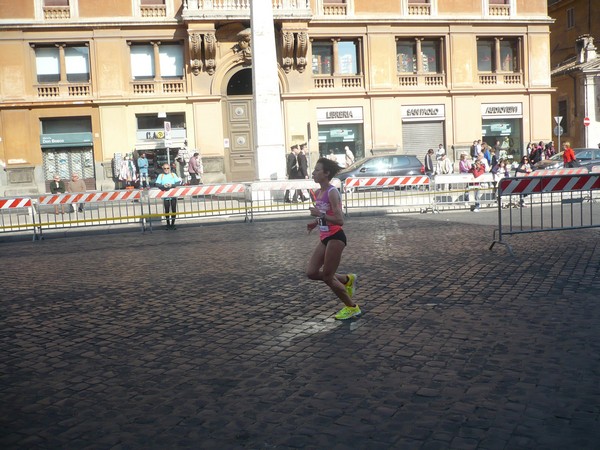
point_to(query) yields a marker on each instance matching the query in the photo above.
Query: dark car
(587, 157)
(384, 166)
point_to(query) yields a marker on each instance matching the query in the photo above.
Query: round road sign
(586, 121)
(558, 131)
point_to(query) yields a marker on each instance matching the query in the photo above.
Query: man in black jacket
(293, 172)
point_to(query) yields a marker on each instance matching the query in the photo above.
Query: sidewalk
(211, 337)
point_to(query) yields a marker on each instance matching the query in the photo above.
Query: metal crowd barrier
(16, 214)
(459, 190)
(390, 192)
(549, 202)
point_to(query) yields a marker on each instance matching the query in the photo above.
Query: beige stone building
(575, 60)
(83, 82)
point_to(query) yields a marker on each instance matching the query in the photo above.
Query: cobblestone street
(211, 337)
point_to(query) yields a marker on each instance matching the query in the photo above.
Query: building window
(418, 55)
(335, 57)
(570, 18)
(62, 63)
(150, 60)
(563, 112)
(152, 2)
(498, 55)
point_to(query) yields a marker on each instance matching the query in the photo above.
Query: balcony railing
(500, 10)
(153, 11)
(499, 78)
(158, 87)
(241, 8)
(70, 90)
(338, 81)
(57, 12)
(423, 9)
(429, 80)
(335, 9)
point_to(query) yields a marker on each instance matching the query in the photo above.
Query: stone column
(268, 117)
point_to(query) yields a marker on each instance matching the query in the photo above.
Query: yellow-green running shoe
(347, 312)
(351, 284)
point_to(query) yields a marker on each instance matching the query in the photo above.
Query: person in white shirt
(349, 156)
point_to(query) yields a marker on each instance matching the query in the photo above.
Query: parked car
(587, 158)
(384, 166)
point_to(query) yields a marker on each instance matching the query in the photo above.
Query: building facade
(574, 36)
(83, 82)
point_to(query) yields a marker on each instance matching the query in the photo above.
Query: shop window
(418, 56)
(62, 63)
(498, 55)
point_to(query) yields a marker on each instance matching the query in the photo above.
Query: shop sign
(423, 112)
(159, 134)
(346, 115)
(66, 139)
(496, 110)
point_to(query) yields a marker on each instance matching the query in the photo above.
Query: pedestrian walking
(326, 257)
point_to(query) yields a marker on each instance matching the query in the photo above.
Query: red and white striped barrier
(530, 185)
(595, 169)
(545, 173)
(88, 197)
(419, 180)
(185, 191)
(9, 203)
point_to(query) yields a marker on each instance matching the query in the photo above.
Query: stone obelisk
(268, 117)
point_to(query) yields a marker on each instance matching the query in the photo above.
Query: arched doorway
(239, 119)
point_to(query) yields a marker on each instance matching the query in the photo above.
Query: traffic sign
(558, 131)
(558, 119)
(586, 121)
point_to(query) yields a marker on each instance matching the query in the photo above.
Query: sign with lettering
(66, 139)
(495, 110)
(423, 112)
(346, 115)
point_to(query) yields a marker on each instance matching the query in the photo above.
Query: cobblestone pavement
(211, 337)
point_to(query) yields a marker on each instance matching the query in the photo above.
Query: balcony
(240, 9)
(57, 12)
(70, 91)
(153, 11)
(428, 80)
(499, 10)
(335, 9)
(162, 87)
(511, 79)
(423, 9)
(338, 81)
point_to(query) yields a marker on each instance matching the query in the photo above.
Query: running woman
(328, 254)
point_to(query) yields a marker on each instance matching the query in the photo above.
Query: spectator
(440, 151)
(142, 164)
(569, 159)
(477, 170)
(180, 164)
(429, 169)
(464, 165)
(483, 161)
(474, 150)
(487, 154)
(166, 181)
(293, 173)
(444, 166)
(195, 169)
(499, 171)
(349, 156)
(523, 169)
(57, 186)
(331, 156)
(303, 168)
(77, 185)
(494, 160)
